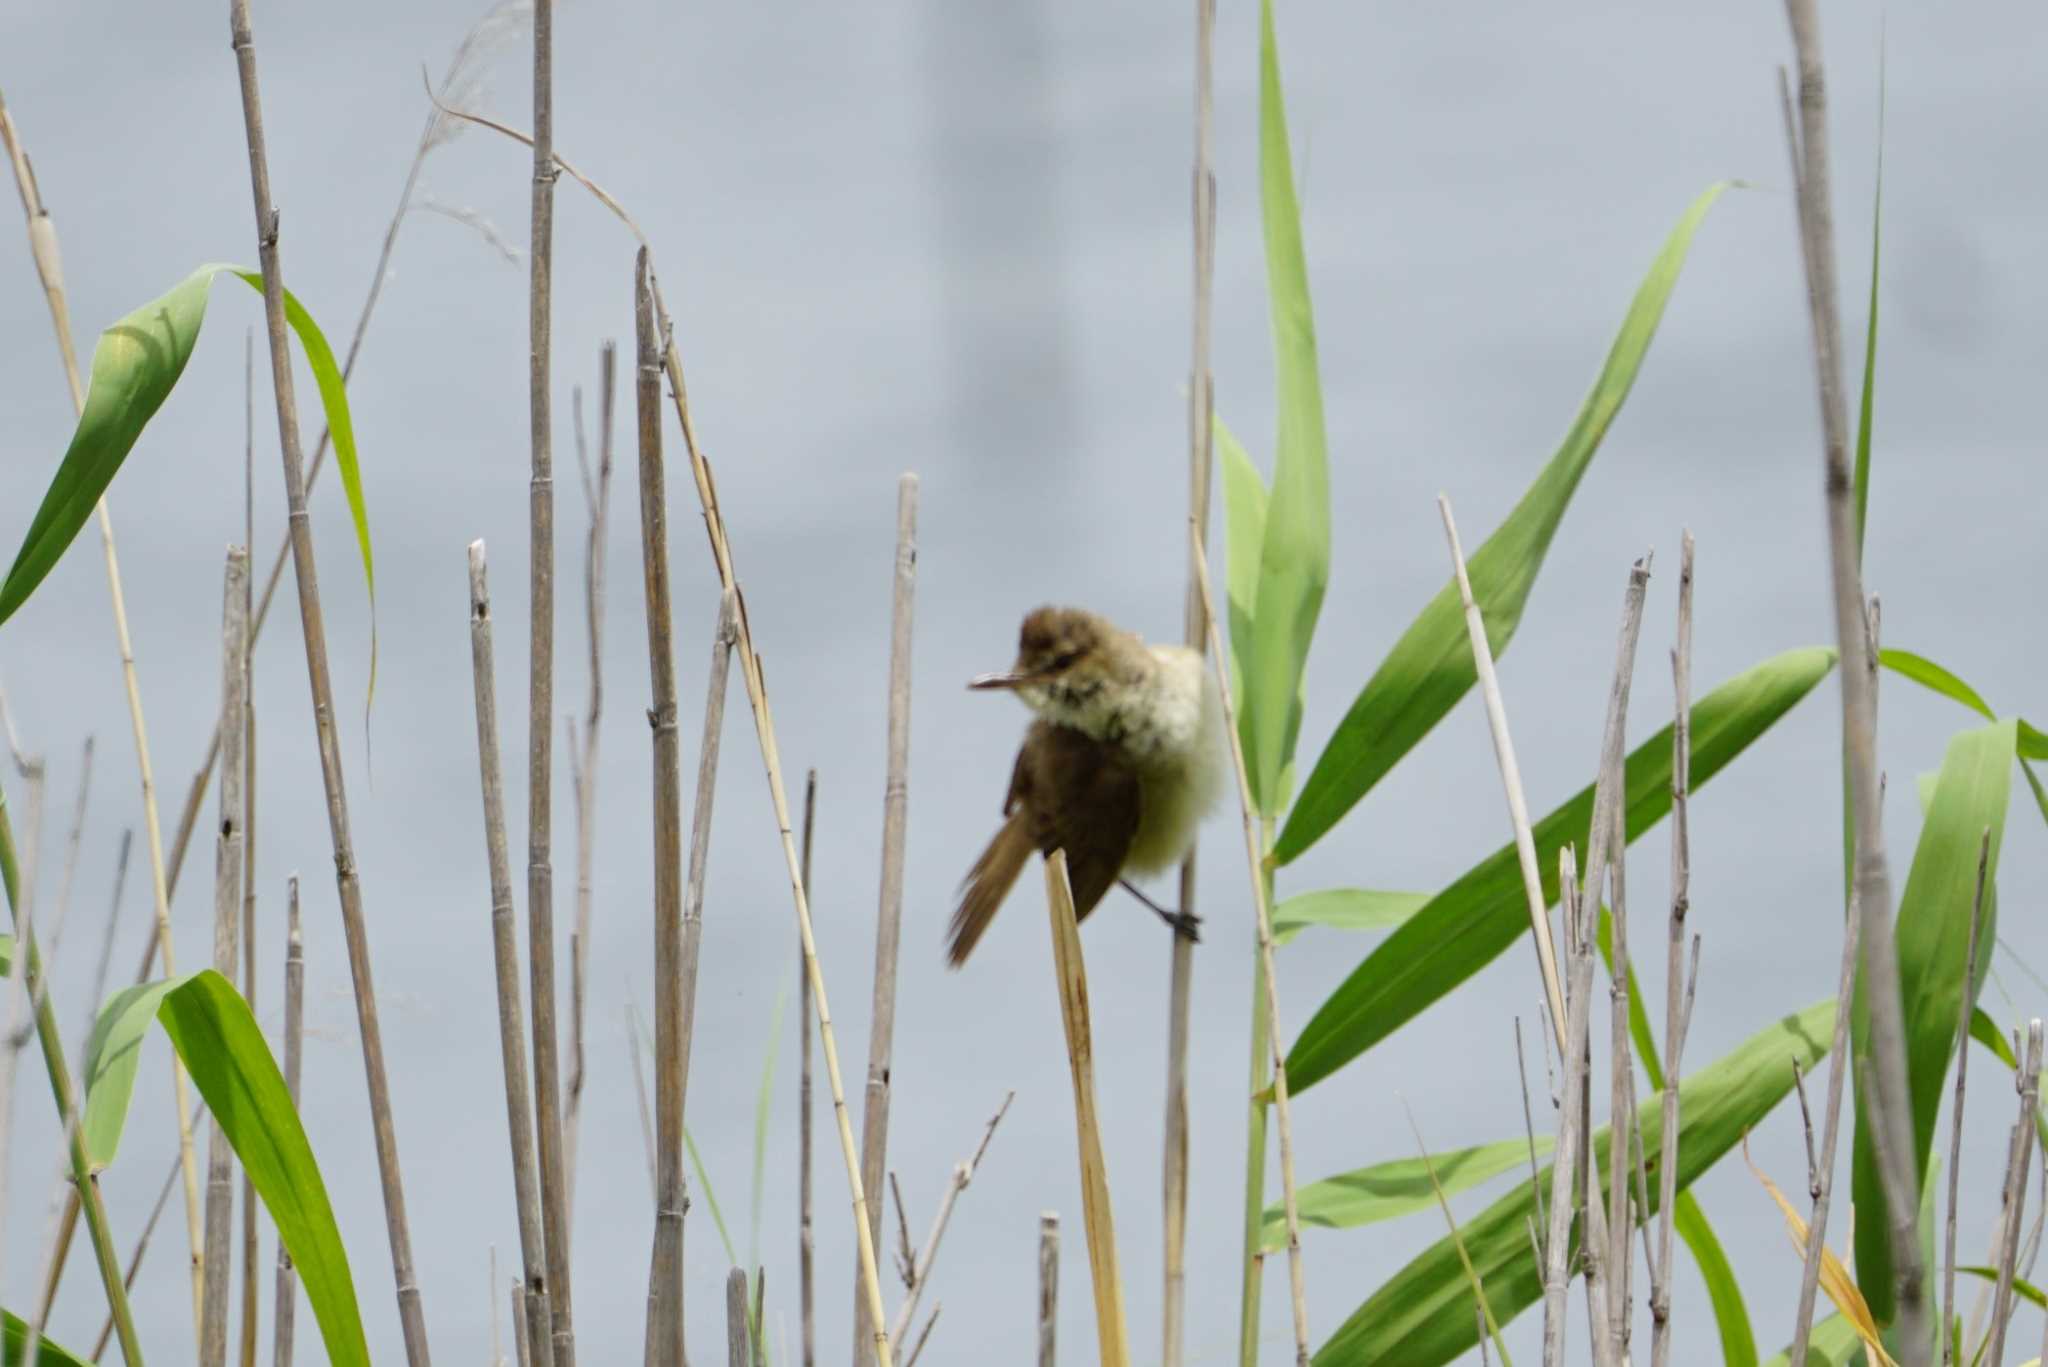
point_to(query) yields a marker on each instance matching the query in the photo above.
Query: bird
(1122, 760)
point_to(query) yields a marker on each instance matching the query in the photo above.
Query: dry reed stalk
(1677, 1008)
(597, 490)
(498, 26)
(294, 1044)
(1048, 1286)
(411, 1318)
(1564, 1172)
(736, 1351)
(1254, 863)
(1889, 1109)
(919, 1269)
(72, 843)
(540, 715)
(250, 1208)
(42, 233)
(227, 911)
(520, 1352)
(1180, 993)
(874, 1129)
(1098, 1224)
(505, 961)
(917, 1349)
(1510, 777)
(1955, 1134)
(677, 1008)
(771, 760)
(806, 1243)
(2014, 1197)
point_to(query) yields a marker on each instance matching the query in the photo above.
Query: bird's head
(1066, 658)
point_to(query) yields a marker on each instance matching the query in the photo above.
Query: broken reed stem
(806, 1243)
(540, 714)
(1620, 1101)
(251, 1249)
(1260, 892)
(1571, 1111)
(412, 1319)
(1097, 1222)
(1510, 777)
(1677, 1005)
(874, 1128)
(2014, 1200)
(928, 1252)
(227, 911)
(1889, 1110)
(1048, 1286)
(42, 234)
(599, 490)
(664, 1346)
(764, 732)
(1824, 1165)
(505, 960)
(294, 1043)
(736, 1351)
(1955, 1134)
(679, 1012)
(1180, 996)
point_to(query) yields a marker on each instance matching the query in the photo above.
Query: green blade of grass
(1344, 909)
(135, 365)
(224, 1052)
(1834, 1343)
(1933, 945)
(1464, 927)
(1401, 1186)
(1869, 394)
(1430, 667)
(14, 1334)
(1418, 1318)
(1244, 531)
(1294, 553)
(112, 1054)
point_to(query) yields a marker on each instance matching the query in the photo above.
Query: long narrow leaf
(111, 1055)
(1464, 927)
(1933, 946)
(1294, 553)
(1244, 532)
(14, 1334)
(1419, 1318)
(1430, 667)
(1344, 909)
(1387, 1191)
(135, 365)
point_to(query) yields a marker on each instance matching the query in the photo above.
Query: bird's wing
(1083, 798)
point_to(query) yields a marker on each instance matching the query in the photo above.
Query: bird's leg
(1184, 923)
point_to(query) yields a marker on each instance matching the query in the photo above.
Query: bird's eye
(1065, 660)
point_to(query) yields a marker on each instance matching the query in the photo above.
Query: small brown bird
(1118, 769)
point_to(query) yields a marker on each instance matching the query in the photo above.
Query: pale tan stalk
(250, 1250)
(1295, 1274)
(1180, 993)
(42, 232)
(806, 1243)
(1955, 1123)
(383, 1133)
(928, 1251)
(771, 760)
(597, 489)
(1048, 1287)
(1889, 1109)
(1566, 1175)
(874, 1129)
(537, 1330)
(2013, 1202)
(227, 911)
(294, 1043)
(1112, 1338)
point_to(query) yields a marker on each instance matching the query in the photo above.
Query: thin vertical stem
(874, 1129)
(1048, 1287)
(538, 1329)
(736, 1353)
(1889, 1109)
(599, 489)
(1677, 1005)
(227, 911)
(294, 1041)
(251, 1249)
(1955, 1133)
(1180, 995)
(806, 1242)
(540, 716)
(2014, 1202)
(412, 1319)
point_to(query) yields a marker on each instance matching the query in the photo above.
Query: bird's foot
(1185, 924)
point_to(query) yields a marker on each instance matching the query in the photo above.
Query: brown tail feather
(987, 884)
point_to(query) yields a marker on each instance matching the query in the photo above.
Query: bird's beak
(1010, 679)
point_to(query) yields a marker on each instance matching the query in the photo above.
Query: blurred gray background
(953, 239)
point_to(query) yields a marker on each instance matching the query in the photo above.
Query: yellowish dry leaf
(1834, 1277)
